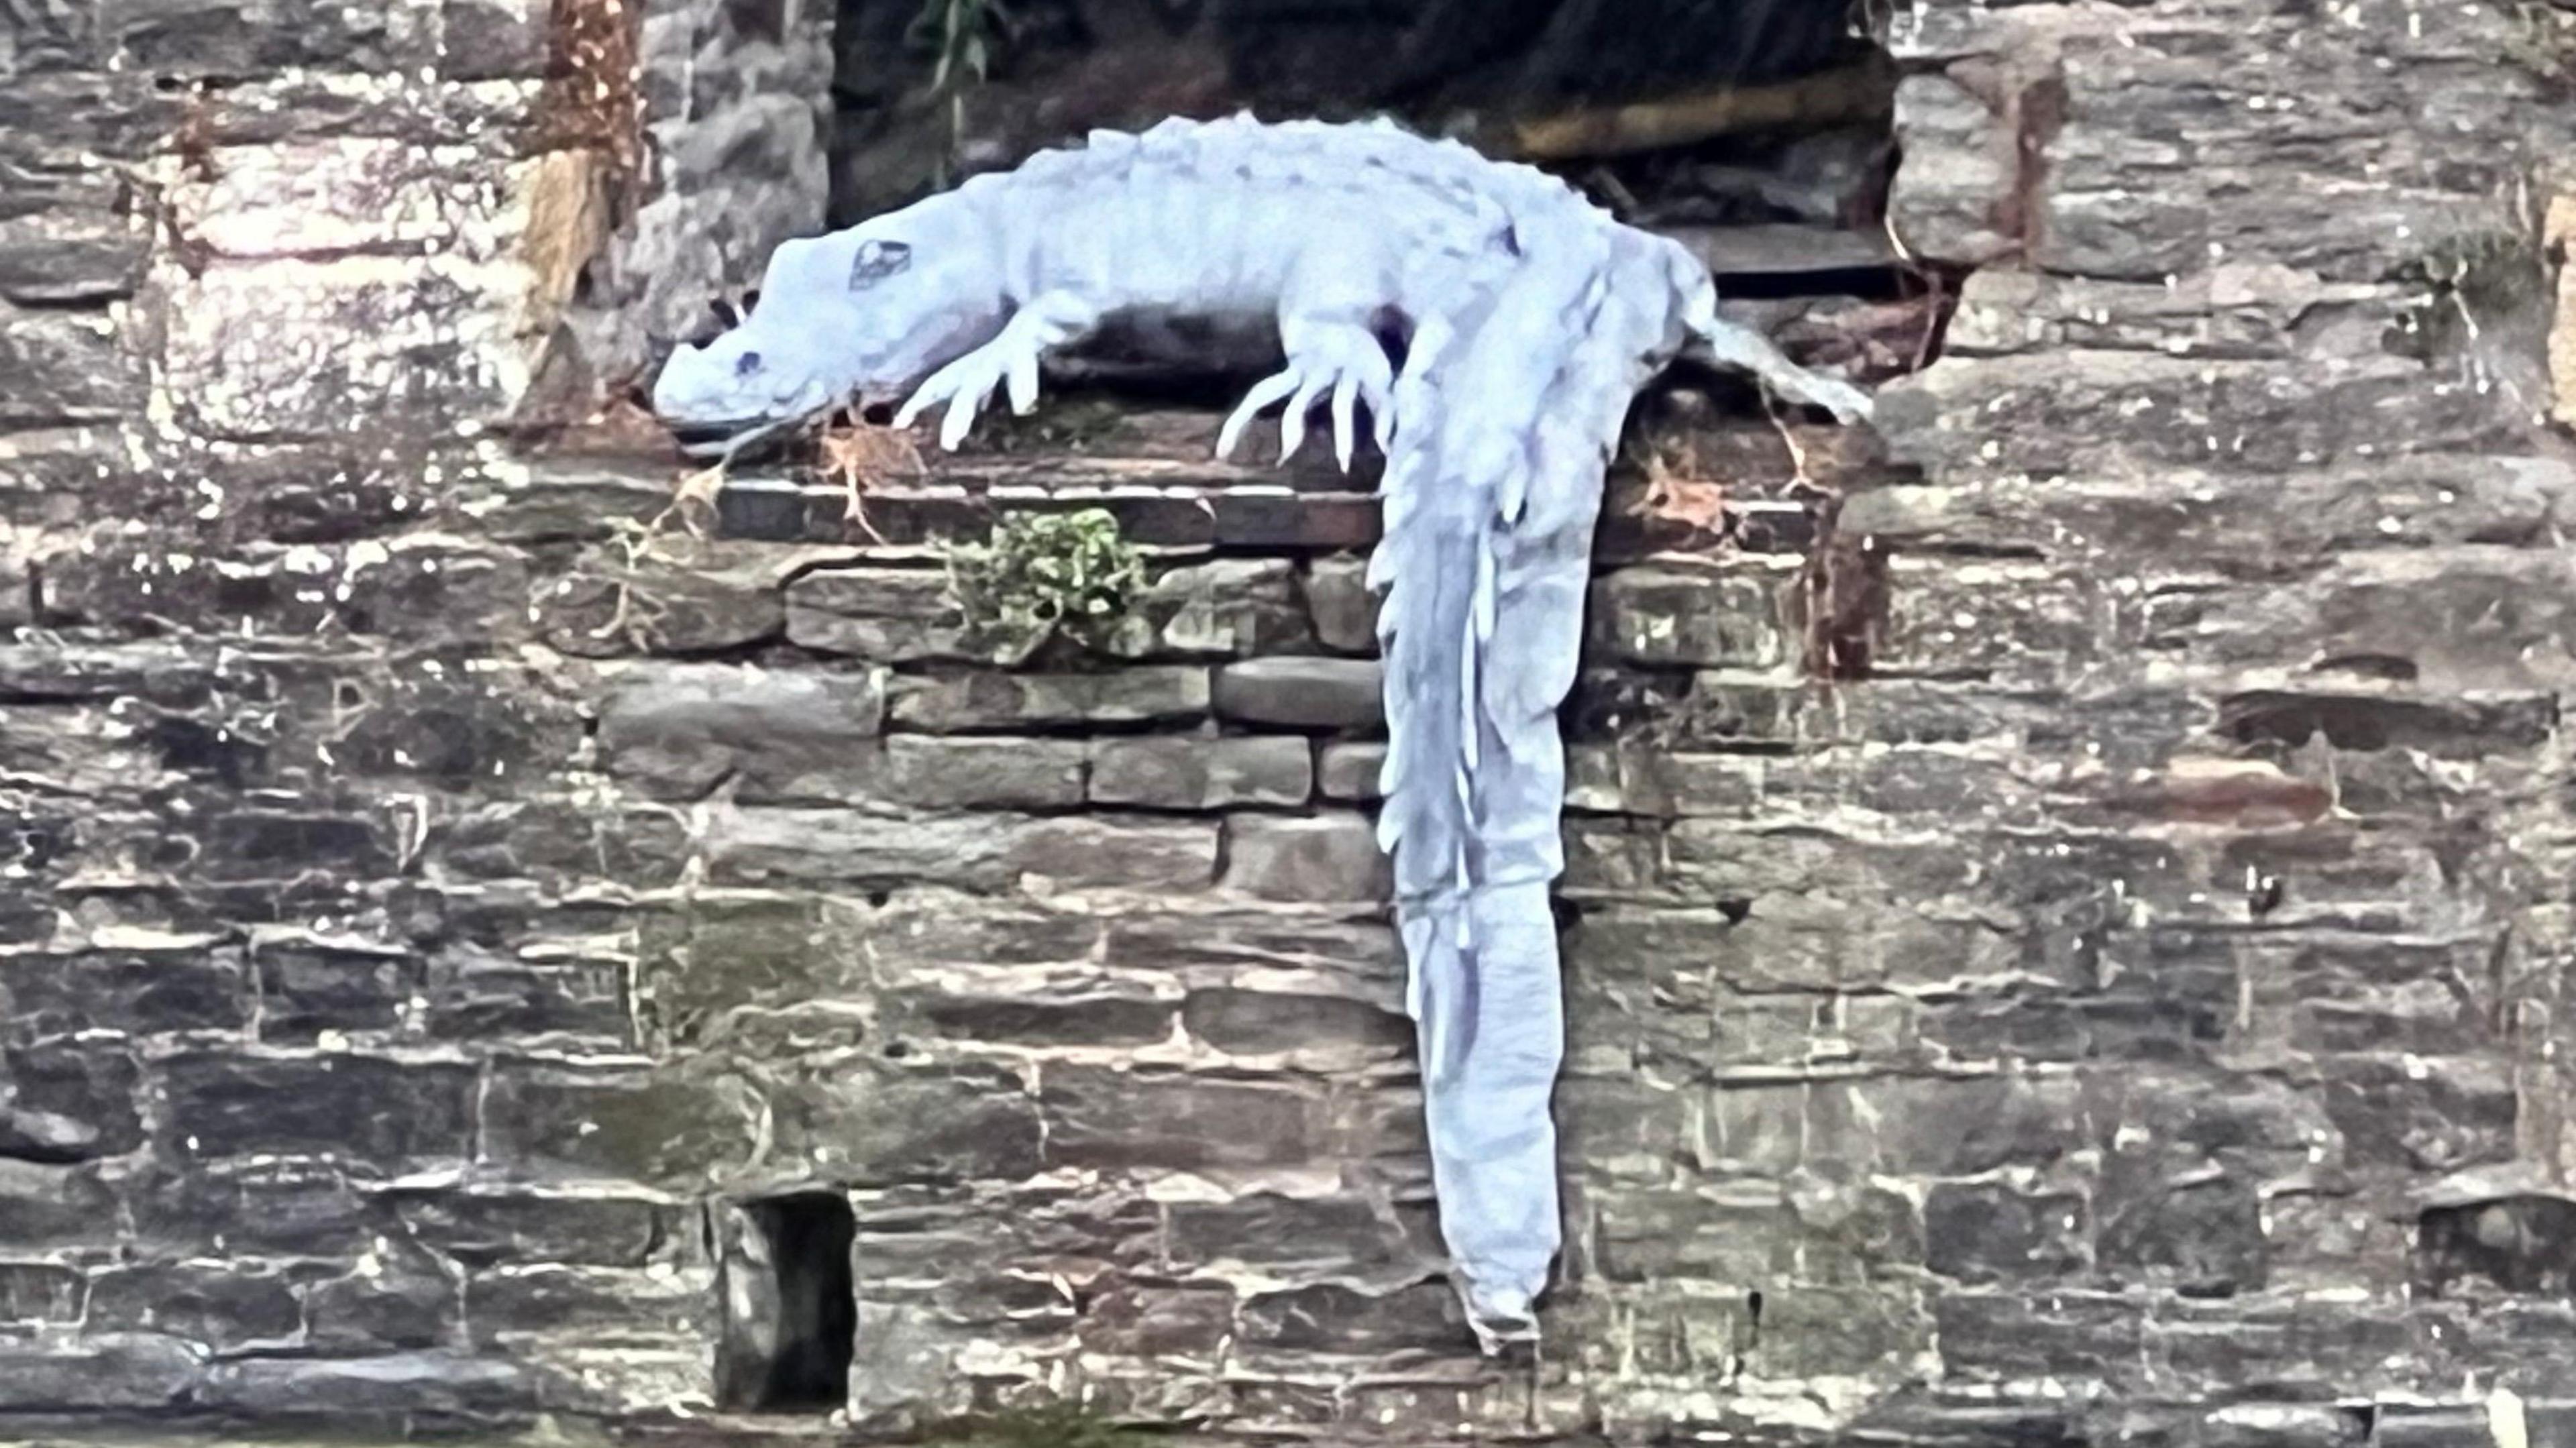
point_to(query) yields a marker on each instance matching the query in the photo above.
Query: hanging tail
(1510, 410)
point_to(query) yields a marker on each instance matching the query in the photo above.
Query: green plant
(1041, 575)
(960, 35)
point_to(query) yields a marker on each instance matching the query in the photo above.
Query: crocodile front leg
(1322, 353)
(1011, 358)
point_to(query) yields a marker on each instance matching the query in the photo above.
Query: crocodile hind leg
(1010, 359)
(1728, 344)
(1340, 355)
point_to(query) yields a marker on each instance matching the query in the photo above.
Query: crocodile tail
(1510, 409)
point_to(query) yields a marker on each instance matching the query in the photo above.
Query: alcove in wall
(790, 1311)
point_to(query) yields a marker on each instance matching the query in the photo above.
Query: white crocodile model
(1529, 318)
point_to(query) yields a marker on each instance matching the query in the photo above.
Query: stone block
(969, 702)
(1835, 1332)
(289, 1206)
(2071, 1336)
(392, 1385)
(958, 1122)
(673, 1127)
(1200, 774)
(1287, 1235)
(1983, 1232)
(1323, 1032)
(475, 996)
(518, 1305)
(1663, 616)
(1302, 693)
(487, 1228)
(678, 728)
(1027, 1012)
(1224, 608)
(65, 369)
(930, 772)
(67, 1103)
(608, 603)
(2205, 1237)
(221, 1307)
(34, 1293)
(335, 195)
(1337, 597)
(1349, 771)
(884, 615)
(1075, 853)
(108, 1371)
(1148, 1320)
(67, 239)
(1337, 1317)
(2439, 1115)
(143, 992)
(1218, 941)
(363, 1109)
(304, 349)
(305, 990)
(1104, 1119)
(1323, 858)
(47, 1205)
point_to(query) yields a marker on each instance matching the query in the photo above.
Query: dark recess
(790, 1306)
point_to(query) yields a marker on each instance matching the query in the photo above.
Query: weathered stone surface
(146, 993)
(1348, 771)
(982, 700)
(1104, 1119)
(306, 990)
(66, 1103)
(437, 1382)
(624, 1123)
(1665, 616)
(1327, 857)
(886, 615)
(1228, 608)
(1337, 597)
(224, 1308)
(2135, 964)
(1201, 773)
(679, 728)
(473, 996)
(959, 1122)
(485, 1228)
(108, 1371)
(970, 852)
(1302, 693)
(363, 1109)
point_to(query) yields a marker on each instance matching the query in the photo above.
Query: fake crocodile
(1527, 319)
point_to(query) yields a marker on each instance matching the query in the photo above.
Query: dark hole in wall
(790, 1307)
(2521, 1244)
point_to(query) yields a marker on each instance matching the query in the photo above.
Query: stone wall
(2068, 917)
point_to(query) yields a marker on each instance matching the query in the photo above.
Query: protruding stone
(1169, 773)
(986, 700)
(1337, 596)
(1302, 693)
(1328, 857)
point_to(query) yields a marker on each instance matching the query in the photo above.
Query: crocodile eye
(747, 364)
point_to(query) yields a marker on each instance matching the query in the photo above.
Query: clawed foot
(1354, 367)
(968, 383)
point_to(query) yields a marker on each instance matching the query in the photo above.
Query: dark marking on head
(746, 364)
(876, 261)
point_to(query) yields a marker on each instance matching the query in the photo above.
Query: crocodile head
(858, 316)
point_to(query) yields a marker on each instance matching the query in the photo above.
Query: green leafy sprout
(1045, 575)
